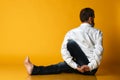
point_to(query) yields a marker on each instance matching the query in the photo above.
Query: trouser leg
(78, 55)
(52, 69)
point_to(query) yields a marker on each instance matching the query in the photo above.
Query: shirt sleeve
(97, 52)
(65, 53)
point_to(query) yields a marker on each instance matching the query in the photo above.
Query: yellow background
(37, 27)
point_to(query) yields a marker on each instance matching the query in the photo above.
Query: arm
(65, 53)
(97, 52)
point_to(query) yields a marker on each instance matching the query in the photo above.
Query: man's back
(85, 35)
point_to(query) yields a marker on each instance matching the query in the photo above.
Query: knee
(71, 43)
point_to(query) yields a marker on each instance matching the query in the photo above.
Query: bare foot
(28, 65)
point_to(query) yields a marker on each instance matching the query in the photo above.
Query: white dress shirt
(90, 41)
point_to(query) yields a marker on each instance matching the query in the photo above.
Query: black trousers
(78, 56)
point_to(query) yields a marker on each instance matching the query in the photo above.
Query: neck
(89, 23)
(86, 22)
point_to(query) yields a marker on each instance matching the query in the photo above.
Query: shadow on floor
(63, 76)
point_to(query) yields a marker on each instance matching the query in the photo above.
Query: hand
(80, 69)
(83, 68)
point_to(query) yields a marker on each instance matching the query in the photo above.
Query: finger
(82, 70)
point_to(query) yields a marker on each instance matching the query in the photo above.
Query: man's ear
(90, 20)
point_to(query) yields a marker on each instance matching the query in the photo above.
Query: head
(87, 15)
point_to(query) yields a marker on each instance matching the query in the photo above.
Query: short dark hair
(86, 13)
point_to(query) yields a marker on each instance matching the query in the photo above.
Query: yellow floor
(19, 73)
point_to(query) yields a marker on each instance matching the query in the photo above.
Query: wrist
(78, 66)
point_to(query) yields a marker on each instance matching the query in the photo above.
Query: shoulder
(95, 30)
(72, 31)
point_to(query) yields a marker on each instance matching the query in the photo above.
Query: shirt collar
(85, 25)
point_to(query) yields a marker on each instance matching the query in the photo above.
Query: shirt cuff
(90, 66)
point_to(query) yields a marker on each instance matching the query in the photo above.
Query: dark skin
(85, 68)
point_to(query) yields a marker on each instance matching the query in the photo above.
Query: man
(81, 50)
